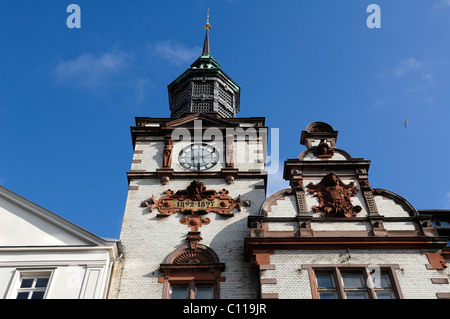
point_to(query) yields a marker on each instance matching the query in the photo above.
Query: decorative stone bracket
(437, 261)
(195, 221)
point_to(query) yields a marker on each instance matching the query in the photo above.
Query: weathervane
(207, 25)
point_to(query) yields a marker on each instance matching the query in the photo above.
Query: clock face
(198, 157)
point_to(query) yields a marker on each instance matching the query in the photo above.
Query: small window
(385, 289)
(354, 286)
(192, 290)
(334, 282)
(192, 273)
(326, 285)
(204, 291)
(179, 292)
(32, 287)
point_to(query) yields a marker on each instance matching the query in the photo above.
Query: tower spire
(204, 87)
(206, 48)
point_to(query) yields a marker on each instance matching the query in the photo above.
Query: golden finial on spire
(207, 25)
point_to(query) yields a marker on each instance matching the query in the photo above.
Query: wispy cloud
(429, 79)
(379, 103)
(410, 68)
(416, 77)
(95, 70)
(441, 4)
(406, 66)
(175, 52)
(119, 70)
(140, 87)
(89, 70)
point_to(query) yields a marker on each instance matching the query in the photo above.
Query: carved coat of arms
(334, 197)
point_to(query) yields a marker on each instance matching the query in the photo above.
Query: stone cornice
(321, 243)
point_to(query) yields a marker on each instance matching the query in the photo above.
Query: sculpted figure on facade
(229, 151)
(323, 150)
(168, 153)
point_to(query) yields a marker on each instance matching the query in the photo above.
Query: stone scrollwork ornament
(334, 197)
(195, 199)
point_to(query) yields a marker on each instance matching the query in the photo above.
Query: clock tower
(195, 178)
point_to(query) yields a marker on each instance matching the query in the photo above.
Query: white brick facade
(291, 243)
(384, 222)
(148, 239)
(292, 281)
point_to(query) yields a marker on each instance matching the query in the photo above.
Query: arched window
(192, 273)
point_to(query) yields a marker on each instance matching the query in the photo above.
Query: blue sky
(69, 96)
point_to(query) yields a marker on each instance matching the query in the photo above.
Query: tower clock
(198, 157)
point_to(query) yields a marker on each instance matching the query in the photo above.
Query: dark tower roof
(204, 88)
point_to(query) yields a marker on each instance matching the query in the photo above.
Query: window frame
(34, 273)
(204, 267)
(337, 270)
(191, 275)
(334, 289)
(363, 272)
(392, 280)
(191, 288)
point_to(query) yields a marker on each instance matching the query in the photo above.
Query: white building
(45, 256)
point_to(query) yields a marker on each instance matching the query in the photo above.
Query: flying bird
(406, 123)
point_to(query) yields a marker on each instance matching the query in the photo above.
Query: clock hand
(197, 158)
